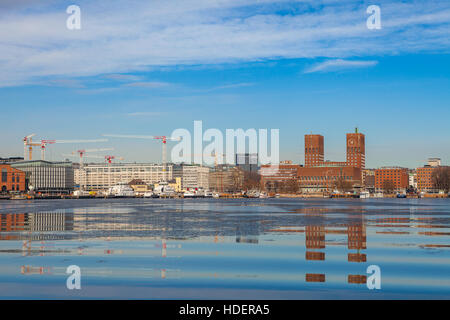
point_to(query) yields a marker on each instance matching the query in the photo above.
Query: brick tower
(356, 150)
(314, 150)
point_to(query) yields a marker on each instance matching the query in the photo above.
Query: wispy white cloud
(147, 84)
(125, 36)
(68, 83)
(339, 65)
(233, 85)
(122, 77)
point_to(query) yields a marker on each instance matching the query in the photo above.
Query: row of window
(326, 178)
(5, 176)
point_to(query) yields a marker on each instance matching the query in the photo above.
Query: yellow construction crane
(28, 146)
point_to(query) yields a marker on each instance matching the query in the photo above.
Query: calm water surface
(225, 249)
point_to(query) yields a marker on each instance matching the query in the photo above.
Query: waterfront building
(139, 186)
(413, 179)
(192, 176)
(226, 178)
(398, 177)
(247, 162)
(368, 179)
(174, 184)
(11, 179)
(425, 175)
(425, 178)
(356, 150)
(47, 177)
(314, 150)
(277, 178)
(99, 177)
(10, 159)
(326, 178)
(319, 176)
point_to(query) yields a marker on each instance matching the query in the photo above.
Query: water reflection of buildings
(315, 243)
(15, 226)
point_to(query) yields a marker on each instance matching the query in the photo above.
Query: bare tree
(441, 178)
(342, 185)
(236, 180)
(252, 181)
(291, 186)
(388, 186)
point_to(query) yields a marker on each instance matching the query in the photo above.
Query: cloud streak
(339, 65)
(125, 36)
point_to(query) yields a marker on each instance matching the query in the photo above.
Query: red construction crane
(82, 153)
(163, 139)
(44, 143)
(109, 159)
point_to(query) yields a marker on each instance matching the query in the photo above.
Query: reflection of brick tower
(315, 239)
(356, 234)
(314, 150)
(356, 149)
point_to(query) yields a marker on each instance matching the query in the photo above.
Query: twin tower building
(356, 151)
(318, 175)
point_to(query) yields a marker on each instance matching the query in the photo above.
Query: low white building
(95, 177)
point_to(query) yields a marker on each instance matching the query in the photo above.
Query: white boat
(121, 190)
(81, 194)
(208, 194)
(148, 195)
(364, 195)
(163, 189)
(189, 194)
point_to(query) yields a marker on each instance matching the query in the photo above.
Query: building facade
(97, 177)
(424, 178)
(413, 180)
(356, 150)
(12, 180)
(368, 179)
(314, 150)
(247, 162)
(192, 176)
(277, 178)
(319, 176)
(47, 177)
(326, 178)
(226, 178)
(10, 159)
(399, 177)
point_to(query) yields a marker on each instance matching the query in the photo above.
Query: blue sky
(299, 66)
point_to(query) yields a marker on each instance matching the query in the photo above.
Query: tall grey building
(247, 161)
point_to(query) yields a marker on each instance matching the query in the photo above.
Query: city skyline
(299, 67)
